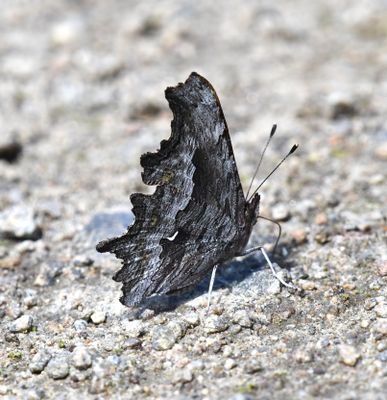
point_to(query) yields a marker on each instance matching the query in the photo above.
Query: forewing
(198, 202)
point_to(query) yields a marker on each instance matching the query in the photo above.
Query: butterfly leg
(279, 230)
(275, 274)
(211, 286)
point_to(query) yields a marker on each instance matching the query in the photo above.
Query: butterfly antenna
(272, 132)
(292, 150)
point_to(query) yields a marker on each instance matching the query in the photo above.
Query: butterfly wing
(194, 219)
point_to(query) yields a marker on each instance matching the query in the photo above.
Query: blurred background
(81, 85)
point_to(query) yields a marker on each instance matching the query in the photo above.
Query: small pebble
(380, 326)
(213, 345)
(166, 336)
(35, 394)
(22, 324)
(234, 329)
(341, 105)
(14, 310)
(382, 346)
(241, 317)
(83, 261)
(280, 212)
(381, 151)
(48, 271)
(192, 318)
(80, 325)
(66, 31)
(370, 303)
(30, 300)
(58, 367)
(108, 344)
(274, 286)
(382, 269)
(81, 358)
(197, 365)
(183, 376)
(374, 285)
(264, 318)
(307, 285)
(113, 359)
(77, 375)
(215, 324)
(42, 279)
(229, 364)
(98, 317)
(382, 356)
(12, 338)
(134, 328)
(3, 390)
(349, 355)
(227, 351)
(39, 361)
(322, 237)
(132, 343)
(303, 356)
(18, 223)
(11, 261)
(97, 385)
(321, 219)
(298, 236)
(348, 286)
(381, 310)
(253, 366)
(147, 314)
(364, 323)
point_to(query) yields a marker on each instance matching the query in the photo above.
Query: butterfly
(198, 217)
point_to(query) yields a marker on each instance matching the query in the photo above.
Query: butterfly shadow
(250, 273)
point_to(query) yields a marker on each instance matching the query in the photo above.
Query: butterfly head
(252, 209)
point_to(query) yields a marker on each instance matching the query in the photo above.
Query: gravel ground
(81, 97)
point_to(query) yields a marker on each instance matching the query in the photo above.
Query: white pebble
(381, 310)
(81, 358)
(230, 363)
(380, 326)
(280, 212)
(98, 317)
(22, 324)
(348, 355)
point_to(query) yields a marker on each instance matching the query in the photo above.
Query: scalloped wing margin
(175, 228)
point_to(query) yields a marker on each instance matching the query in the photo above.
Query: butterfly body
(198, 216)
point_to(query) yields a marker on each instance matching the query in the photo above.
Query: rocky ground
(81, 98)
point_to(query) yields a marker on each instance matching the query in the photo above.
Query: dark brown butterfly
(198, 216)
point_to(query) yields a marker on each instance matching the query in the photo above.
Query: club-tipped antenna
(272, 132)
(292, 150)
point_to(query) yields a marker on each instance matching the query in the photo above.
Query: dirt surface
(81, 98)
